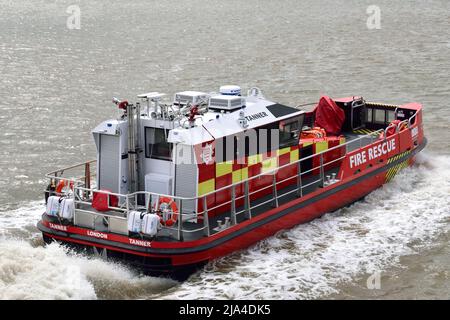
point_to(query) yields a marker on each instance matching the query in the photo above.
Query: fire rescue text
(372, 153)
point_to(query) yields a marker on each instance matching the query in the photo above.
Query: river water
(57, 83)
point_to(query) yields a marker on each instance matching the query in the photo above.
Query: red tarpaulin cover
(329, 116)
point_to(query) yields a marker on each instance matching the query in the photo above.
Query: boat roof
(215, 124)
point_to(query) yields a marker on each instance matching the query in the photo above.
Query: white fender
(134, 221)
(67, 208)
(53, 206)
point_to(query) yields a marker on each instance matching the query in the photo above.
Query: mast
(133, 113)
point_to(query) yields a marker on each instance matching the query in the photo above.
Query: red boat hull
(179, 259)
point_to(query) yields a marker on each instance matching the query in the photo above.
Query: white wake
(311, 260)
(30, 270)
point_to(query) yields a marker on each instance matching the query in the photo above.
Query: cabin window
(156, 145)
(390, 115)
(290, 131)
(369, 115)
(379, 116)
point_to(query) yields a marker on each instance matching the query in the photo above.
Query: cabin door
(109, 160)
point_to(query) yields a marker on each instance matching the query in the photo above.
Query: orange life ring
(402, 126)
(168, 211)
(315, 132)
(63, 184)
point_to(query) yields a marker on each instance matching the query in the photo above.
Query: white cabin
(167, 148)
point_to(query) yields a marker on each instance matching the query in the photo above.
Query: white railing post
(247, 200)
(148, 202)
(274, 191)
(180, 221)
(87, 179)
(322, 173)
(299, 180)
(205, 217)
(233, 205)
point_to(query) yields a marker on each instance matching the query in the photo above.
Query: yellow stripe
(390, 174)
(381, 104)
(251, 160)
(405, 164)
(269, 164)
(321, 146)
(393, 173)
(239, 175)
(283, 151)
(294, 155)
(397, 168)
(305, 144)
(342, 140)
(224, 168)
(206, 186)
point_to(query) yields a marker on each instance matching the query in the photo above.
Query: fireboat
(179, 182)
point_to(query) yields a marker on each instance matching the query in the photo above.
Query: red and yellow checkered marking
(219, 175)
(230, 172)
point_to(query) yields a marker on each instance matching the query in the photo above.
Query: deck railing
(117, 216)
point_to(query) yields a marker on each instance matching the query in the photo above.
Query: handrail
(267, 173)
(200, 213)
(50, 174)
(398, 125)
(292, 163)
(412, 117)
